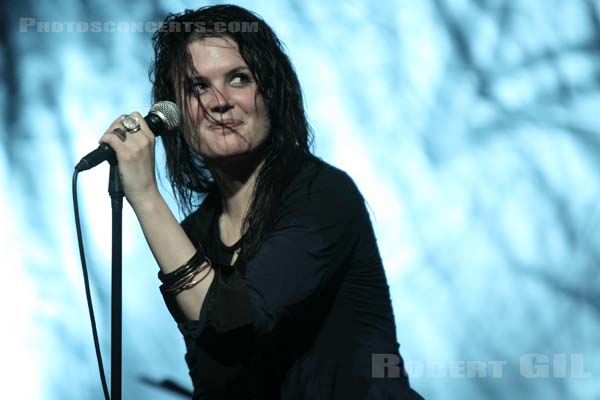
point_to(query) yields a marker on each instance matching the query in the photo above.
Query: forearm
(171, 248)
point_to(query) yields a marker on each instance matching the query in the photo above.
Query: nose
(218, 101)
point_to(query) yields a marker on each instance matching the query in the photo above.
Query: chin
(234, 155)
(224, 154)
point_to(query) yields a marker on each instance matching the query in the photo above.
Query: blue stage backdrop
(471, 126)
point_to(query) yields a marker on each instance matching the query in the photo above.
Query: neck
(235, 182)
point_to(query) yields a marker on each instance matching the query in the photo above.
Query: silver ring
(131, 123)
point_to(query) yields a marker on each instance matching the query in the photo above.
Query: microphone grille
(168, 112)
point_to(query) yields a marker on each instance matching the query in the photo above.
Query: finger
(115, 139)
(115, 130)
(115, 124)
(143, 136)
(145, 129)
(120, 133)
(140, 138)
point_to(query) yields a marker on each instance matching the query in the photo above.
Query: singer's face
(233, 120)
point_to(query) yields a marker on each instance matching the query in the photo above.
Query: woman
(275, 279)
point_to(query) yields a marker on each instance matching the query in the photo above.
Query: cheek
(195, 110)
(248, 101)
(263, 116)
(193, 117)
(257, 108)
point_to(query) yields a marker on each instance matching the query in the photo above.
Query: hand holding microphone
(130, 140)
(163, 117)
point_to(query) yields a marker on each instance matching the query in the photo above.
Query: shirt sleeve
(304, 256)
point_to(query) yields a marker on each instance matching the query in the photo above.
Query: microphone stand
(115, 190)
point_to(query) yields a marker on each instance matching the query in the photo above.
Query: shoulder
(322, 188)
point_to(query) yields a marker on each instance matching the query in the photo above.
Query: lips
(231, 123)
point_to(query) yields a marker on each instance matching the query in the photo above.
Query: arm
(167, 240)
(171, 248)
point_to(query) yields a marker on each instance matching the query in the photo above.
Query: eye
(197, 87)
(240, 79)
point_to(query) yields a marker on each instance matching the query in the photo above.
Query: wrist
(147, 202)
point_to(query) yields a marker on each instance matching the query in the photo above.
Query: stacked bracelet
(183, 277)
(189, 281)
(182, 271)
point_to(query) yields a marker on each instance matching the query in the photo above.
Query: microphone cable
(87, 287)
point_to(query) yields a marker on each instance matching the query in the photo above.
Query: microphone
(163, 117)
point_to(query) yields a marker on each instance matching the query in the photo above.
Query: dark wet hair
(290, 139)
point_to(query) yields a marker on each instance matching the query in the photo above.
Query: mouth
(230, 123)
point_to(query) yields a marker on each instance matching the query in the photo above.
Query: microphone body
(164, 116)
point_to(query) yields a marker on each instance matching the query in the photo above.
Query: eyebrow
(228, 74)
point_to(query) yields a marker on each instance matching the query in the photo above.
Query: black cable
(87, 288)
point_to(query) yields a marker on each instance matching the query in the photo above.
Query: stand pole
(116, 196)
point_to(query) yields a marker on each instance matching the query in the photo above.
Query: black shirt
(303, 317)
